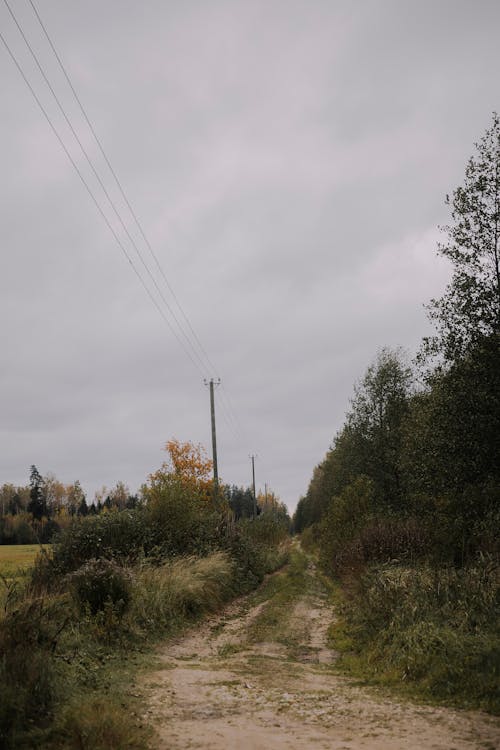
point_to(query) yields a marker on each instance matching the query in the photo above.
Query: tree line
(36, 511)
(404, 509)
(43, 508)
(415, 468)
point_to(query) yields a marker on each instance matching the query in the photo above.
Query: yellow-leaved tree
(183, 516)
(187, 465)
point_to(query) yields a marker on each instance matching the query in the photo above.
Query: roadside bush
(389, 539)
(309, 538)
(28, 673)
(249, 560)
(96, 724)
(446, 662)
(164, 596)
(380, 540)
(118, 536)
(340, 526)
(434, 627)
(253, 553)
(268, 529)
(179, 522)
(99, 583)
(465, 598)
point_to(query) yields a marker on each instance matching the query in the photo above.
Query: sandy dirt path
(256, 677)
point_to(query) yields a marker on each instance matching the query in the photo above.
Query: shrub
(388, 539)
(434, 627)
(465, 598)
(99, 583)
(310, 538)
(28, 674)
(164, 596)
(96, 724)
(179, 521)
(340, 526)
(118, 536)
(249, 558)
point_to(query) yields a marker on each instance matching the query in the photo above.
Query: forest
(404, 508)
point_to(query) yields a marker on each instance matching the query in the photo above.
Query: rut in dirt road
(260, 675)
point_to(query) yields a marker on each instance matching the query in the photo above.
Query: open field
(16, 558)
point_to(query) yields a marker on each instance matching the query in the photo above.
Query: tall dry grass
(434, 628)
(167, 595)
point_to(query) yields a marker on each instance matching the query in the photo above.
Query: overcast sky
(288, 161)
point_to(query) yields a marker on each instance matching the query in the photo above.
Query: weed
(434, 629)
(97, 724)
(164, 597)
(99, 583)
(228, 649)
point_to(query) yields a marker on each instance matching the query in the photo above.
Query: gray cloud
(288, 161)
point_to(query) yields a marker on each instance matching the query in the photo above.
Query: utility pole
(213, 383)
(253, 457)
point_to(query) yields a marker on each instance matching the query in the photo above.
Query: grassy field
(16, 558)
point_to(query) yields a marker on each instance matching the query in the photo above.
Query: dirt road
(260, 675)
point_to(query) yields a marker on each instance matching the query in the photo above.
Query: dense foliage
(412, 480)
(36, 512)
(115, 580)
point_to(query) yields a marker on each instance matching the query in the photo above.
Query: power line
(103, 187)
(234, 417)
(120, 187)
(94, 199)
(228, 418)
(227, 409)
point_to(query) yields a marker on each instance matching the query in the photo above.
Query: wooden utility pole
(212, 383)
(253, 457)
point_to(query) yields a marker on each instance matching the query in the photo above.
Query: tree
(240, 500)
(189, 466)
(370, 443)
(37, 505)
(83, 508)
(450, 452)
(119, 495)
(75, 496)
(178, 502)
(55, 493)
(469, 310)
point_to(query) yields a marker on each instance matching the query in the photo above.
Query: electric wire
(103, 187)
(235, 424)
(224, 402)
(121, 189)
(94, 199)
(227, 416)
(234, 417)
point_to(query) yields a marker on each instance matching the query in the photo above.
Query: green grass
(84, 660)
(429, 633)
(275, 622)
(17, 558)
(70, 669)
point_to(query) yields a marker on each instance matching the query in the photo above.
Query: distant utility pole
(253, 457)
(213, 383)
